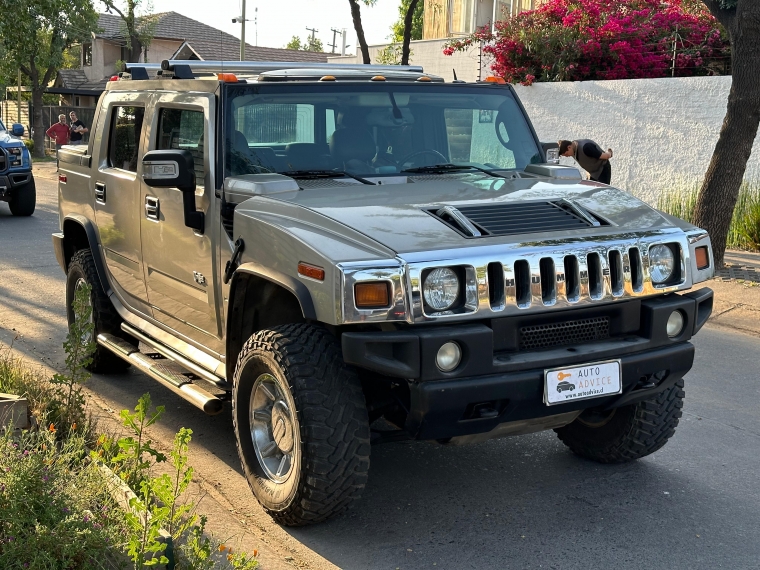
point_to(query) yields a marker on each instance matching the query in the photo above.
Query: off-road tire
(24, 199)
(104, 315)
(331, 418)
(632, 432)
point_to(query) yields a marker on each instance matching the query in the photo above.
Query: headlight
(662, 262)
(441, 288)
(15, 150)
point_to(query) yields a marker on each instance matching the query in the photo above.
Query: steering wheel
(416, 153)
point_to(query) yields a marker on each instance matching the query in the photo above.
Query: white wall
(662, 131)
(429, 54)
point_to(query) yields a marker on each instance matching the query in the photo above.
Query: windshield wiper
(449, 167)
(324, 174)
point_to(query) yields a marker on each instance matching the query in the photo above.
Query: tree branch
(115, 9)
(405, 51)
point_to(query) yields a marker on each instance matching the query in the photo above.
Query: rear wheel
(626, 433)
(82, 272)
(24, 199)
(301, 424)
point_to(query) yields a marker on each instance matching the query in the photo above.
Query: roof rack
(256, 67)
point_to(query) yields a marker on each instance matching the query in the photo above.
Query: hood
(6, 137)
(399, 215)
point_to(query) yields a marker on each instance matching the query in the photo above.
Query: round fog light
(449, 356)
(675, 324)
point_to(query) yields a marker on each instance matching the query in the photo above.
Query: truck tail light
(372, 295)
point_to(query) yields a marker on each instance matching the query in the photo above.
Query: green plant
(744, 232)
(55, 511)
(29, 144)
(199, 551)
(79, 346)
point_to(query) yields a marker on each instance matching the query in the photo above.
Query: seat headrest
(352, 144)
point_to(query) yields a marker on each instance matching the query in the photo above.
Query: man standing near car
(59, 132)
(590, 156)
(77, 129)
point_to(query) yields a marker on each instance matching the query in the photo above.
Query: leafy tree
(397, 29)
(311, 44)
(720, 189)
(409, 26)
(356, 16)
(34, 35)
(580, 40)
(138, 29)
(294, 43)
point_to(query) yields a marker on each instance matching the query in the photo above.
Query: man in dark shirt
(77, 129)
(590, 156)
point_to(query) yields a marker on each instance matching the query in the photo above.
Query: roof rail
(255, 67)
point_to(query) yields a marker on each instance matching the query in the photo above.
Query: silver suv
(354, 255)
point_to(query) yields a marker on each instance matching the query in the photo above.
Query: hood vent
(517, 218)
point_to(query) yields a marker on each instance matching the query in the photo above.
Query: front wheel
(24, 200)
(626, 433)
(301, 424)
(82, 271)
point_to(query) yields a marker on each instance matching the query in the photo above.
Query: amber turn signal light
(311, 271)
(372, 295)
(703, 259)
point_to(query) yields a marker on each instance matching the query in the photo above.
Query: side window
(183, 129)
(124, 138)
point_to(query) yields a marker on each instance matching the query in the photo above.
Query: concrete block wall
(662, 131)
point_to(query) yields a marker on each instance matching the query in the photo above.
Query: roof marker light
(227, 77)
(424, 78)
(114, 78)
(492, 79)
(327, 78)
(377, 78)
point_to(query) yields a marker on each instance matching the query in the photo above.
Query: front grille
(574, 332)
(3, 160)
(524, 217)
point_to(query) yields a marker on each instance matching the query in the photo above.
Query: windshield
(376, 129)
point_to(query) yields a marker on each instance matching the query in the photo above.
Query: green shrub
(29, 144)
(744, 232)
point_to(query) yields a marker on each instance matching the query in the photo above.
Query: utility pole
(241, 19)
(313, 31)
(256, 24)
(344, 46)
(333, 44)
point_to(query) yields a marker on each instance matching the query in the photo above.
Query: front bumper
(10, 181)
(492, 385)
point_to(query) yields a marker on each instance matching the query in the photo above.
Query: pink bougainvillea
(576, 40)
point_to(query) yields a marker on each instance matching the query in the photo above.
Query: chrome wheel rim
(81, 282)
(273, 429)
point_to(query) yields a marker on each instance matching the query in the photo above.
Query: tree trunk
(720, 189)
(135, 48)
(39, 129)
(408, 32)
(357, 17)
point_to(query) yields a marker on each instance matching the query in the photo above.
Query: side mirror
(551, 152)
(17, 130)
(175, 169)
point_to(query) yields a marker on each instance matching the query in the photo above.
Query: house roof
(208, 42)
(74, 80)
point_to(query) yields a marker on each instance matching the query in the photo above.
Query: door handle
(152, 208)
(100, 192)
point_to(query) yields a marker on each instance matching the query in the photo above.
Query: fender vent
(228, 214)
(522, 218)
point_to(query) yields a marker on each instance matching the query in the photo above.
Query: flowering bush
(576, 40)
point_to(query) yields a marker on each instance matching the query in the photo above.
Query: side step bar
(176, 382)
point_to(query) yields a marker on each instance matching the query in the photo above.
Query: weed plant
(744, 232)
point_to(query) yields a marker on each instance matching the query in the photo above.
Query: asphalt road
(519, 503)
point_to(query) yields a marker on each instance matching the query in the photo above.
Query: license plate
(570, 383)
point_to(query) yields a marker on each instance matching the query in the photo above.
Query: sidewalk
(737, 293)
